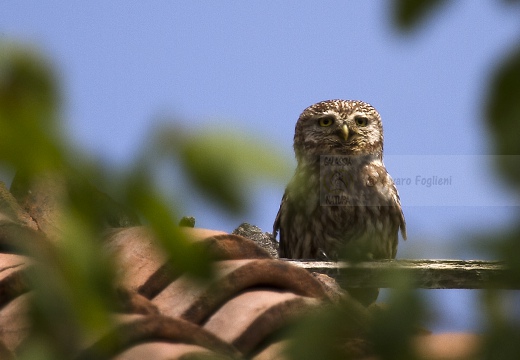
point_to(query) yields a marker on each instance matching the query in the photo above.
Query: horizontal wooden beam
(425, 274)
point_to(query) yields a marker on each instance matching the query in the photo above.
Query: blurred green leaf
(37, 349)
(28, 111)
(503, 330)
(396, 324)
(408, 14)
(223, 165)
(214, 173)
(503, 115)
(184, 255)
(332, 332)
(74, 294)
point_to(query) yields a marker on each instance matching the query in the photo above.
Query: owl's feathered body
(341, 202)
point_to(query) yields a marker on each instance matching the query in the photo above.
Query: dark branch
(426, 274)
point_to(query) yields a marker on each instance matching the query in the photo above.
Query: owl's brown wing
(278, 226)
(399, 209)
(395, 212)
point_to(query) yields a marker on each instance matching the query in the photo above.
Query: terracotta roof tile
(196, 303)
(136, 254)
(14, 296)
(12, 279)
(228, 247)
(166, 351)
(275, 350)
(247, 319)
(164, 314)
(134, 329)
(247, 301)
(14, 323)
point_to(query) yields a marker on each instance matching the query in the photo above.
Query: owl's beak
(344, 129)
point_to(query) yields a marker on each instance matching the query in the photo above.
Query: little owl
(341, 202)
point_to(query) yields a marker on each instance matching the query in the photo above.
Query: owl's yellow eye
(326, 121)
(361, 120)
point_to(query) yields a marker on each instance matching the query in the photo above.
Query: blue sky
(254, 66)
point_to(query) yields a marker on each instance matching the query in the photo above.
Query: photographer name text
(428, 181)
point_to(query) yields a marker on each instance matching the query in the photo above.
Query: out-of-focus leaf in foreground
(503, 116)
(408, 14)
(503, 330)
(503, 119)
(28, 111)
(73, 291)
(71, 278)
(223, 165)
(396, 324)
(333, 332)
(350, 330)
(186, 257)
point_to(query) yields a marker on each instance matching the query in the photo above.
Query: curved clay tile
(222, 247)
(196, 303)
(14, 322)
(248, 299)
(14, 325)
(136, 253)
(249, 318)
(142, 267)
(12, 277)
(167, 351)
(275, 350)
(135, 329)
(230, 247)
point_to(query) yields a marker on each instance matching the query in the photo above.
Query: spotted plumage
(341, 202)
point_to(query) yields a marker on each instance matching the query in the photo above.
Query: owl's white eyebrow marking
(358, 113)
(329, 112)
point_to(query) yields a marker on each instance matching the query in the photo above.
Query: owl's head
(338, 127)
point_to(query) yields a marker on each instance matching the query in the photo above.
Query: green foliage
(395, 326)
(72, 279)
(73, 292)
(221, 164)
(408, 14)
(349, 330)
(503, 331)
(503, 116)
(185, 257)
(334, 332)
(28, 111)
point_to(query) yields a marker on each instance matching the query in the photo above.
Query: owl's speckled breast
(351, 209)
